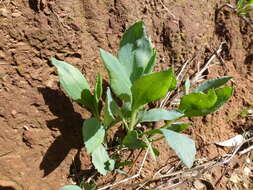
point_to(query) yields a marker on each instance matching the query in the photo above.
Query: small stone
(14, 113)
(3, 12)
(16, 14)
(247, 171)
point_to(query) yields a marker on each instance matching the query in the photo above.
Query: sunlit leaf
(135, 51)
(101, 160)
(71, 79)
(158, 114)
(93, 134)
(182, 145)
(151, 87)
(119, 80)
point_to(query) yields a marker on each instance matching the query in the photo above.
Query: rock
(16, 14)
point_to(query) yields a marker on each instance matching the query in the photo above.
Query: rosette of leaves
(135, 85)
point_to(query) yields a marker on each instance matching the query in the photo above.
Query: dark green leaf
(135, 51)
(178, 126)
(99, 88)
(122, 164)
(71, 79)
(132, 141)
(93, 134)
(71, 187)
(101, 160)
(182, 145)
(156, 151)
(212, 84)
(151, 87)
(158, 114)
(90, 102)
(223, 95)
(197, 104)
(119, 80)
(88, 186)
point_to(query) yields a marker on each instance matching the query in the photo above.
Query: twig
(180, 77)
(198, 171)
(129, 178)
(166, 8)
(246, 150)
(199, 74)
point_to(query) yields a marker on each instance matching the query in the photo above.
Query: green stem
(133, 120)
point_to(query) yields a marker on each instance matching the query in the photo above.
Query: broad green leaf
(71, 187)
(212, 84)
(178, 126)
(101, 160)
(98, 88)
(198, 104)
(111, 109)
(135, 51)
(151, 87)
(158, 114)
(71, 79)
(223, 95)
(119, 80)
(93, 134)
(151, 63)
(132, 141)
(182, 145)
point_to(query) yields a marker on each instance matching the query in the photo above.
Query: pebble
(4, 12)
(16, 14)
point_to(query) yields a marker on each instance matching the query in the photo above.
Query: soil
(40, 141)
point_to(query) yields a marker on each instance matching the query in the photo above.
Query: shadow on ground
(68, 122)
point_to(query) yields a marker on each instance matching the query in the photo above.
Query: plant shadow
(68, 122)
(6, 188)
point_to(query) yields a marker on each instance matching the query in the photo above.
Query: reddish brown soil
(40, 139)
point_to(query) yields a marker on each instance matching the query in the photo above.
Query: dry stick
(166, 8)
(129, 178)
(208, 64)
(201, 169)
(180, 76)
(217, 164)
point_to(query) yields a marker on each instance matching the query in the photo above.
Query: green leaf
(182, 145)
(151, 63)
(111, 109)
(178, 126)
(151, 87)
(212, 84)
(71, 79)
(71, 187)
(198, 104)
(93, 134)
(122, 164)
(88, 186)
(135, 51)
(98, 91)
(223, 95)
(132, 141)
(119, 80)
(158, 114)
(90, 102)
(101, 160)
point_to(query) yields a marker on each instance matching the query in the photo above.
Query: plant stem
(133, 120)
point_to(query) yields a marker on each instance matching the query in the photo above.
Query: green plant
(135, 85)
(244, 6)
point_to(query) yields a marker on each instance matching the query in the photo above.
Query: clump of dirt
(41, 143)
